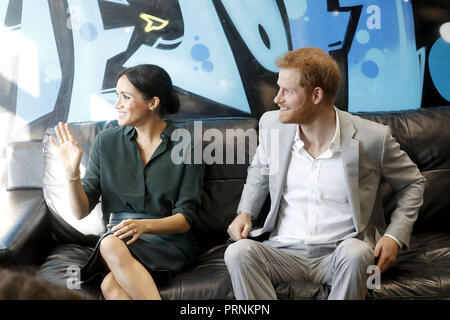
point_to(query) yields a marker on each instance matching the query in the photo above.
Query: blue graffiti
(200, 53)
(251, 18)
(312, 25)
(384, 69)
(439, 64)
(88, 32)
(369, 68)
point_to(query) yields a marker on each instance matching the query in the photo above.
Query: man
(322, 168)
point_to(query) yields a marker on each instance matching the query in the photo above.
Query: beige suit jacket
(369, 155)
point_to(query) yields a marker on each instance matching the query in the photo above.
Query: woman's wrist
(147, 225)
(73, 176)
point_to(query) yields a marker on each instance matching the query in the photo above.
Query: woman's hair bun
(153, 81)
(173, 103)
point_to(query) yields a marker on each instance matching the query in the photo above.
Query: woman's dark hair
(153, 81)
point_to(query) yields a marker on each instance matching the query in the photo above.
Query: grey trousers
(257, 268)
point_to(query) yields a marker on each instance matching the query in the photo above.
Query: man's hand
(387, 250)
(240, 227)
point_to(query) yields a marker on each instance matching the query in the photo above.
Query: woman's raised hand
(69, 150)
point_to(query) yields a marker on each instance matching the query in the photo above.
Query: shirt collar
(130, 131)
(336, 141)
(335, 144)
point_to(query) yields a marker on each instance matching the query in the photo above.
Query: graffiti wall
(59, 58)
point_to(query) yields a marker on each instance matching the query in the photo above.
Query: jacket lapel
(284, 141)
(350, 163)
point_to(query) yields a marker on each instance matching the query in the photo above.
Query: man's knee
(238, 251)
(356, 252)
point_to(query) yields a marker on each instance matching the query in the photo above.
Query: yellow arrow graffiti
(150, 19)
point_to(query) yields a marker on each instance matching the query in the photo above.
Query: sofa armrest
(24, 227)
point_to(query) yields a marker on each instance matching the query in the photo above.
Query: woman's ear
(153, 103)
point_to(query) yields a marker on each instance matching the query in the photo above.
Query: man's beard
(302, 115)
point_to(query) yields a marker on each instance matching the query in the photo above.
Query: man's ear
(317, 95)
(153, 103)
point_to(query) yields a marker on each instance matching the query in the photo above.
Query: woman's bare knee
(113, 250)
(111, 289)
(108, 284)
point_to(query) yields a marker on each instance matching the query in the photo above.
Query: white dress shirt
(314, 206)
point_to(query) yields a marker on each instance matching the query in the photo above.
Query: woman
(152, 201)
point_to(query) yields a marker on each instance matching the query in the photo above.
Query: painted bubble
(440, 68)
(363, 36)
(88, 32)
(444, 31)
(207, 66)
(370, 69)
(200, 52)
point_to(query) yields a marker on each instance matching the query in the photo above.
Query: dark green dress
(129, 190)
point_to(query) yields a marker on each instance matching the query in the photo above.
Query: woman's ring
(134, 229)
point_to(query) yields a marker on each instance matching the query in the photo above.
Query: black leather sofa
(30, 234)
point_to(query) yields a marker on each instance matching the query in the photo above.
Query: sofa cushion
(207, 280)
(24, 234)
(223, 182)
(420, 134)
(62, 265)
(25, 165)
(436, 246)
(434, 214)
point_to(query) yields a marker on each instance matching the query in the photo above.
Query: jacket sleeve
(256, 187)
(406, 180)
